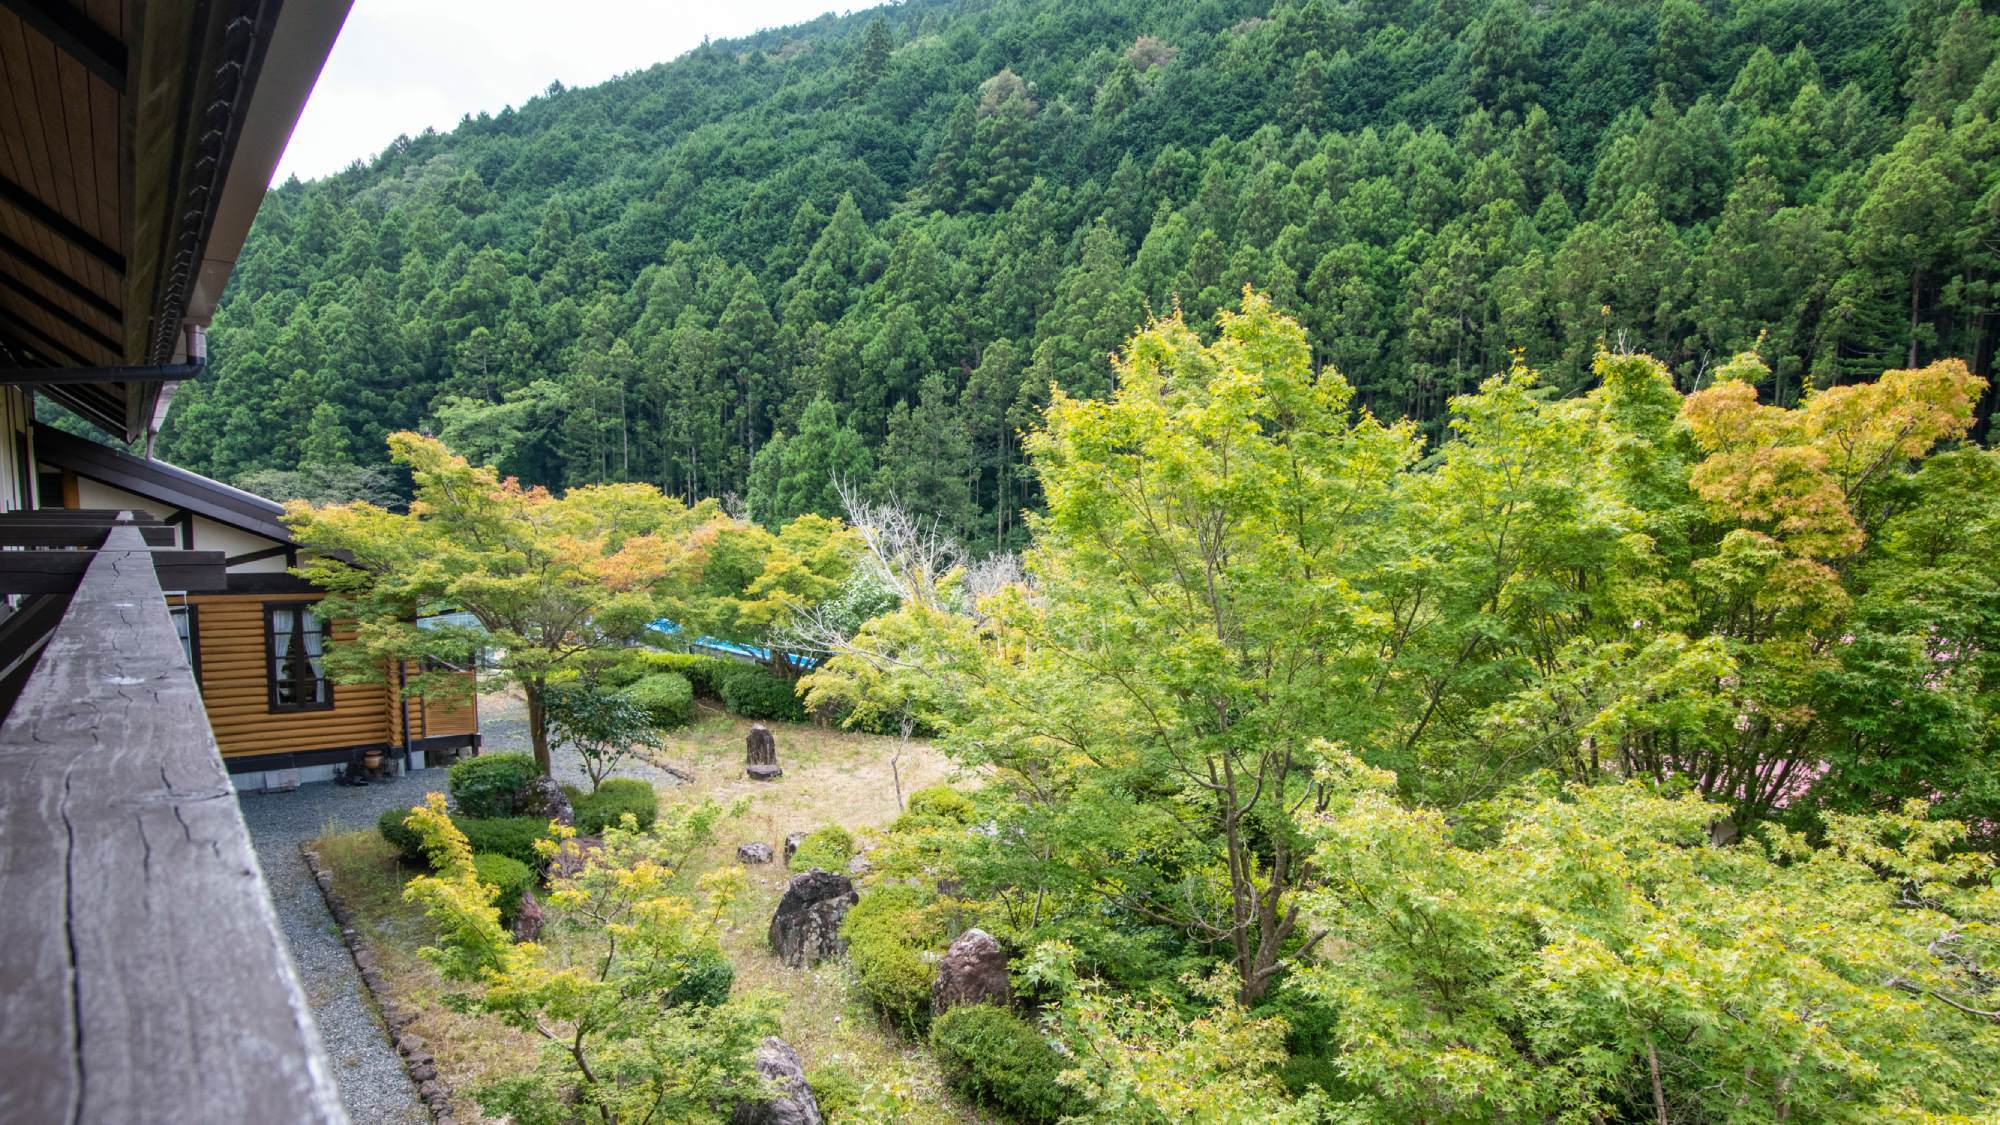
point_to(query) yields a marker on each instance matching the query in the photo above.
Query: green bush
(887, 937)
(835, 1088)
(706, 982)
(511, 836)
(486, 785)
(754, 693)
(512, 877)
(594, 812)
(827, 848)
(941, 802)
(666, 696)
(997, 1059)
(699, 671)
(409, 846)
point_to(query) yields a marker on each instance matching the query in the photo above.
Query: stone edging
(422, 1068)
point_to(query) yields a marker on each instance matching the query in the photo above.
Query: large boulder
(793, 1104)
(543, 799)
(972, 971)
(805, 929)
(753, 853)
(528, 918)
(792, 842)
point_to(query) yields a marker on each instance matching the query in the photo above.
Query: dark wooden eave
(170, 485)
(136, 141)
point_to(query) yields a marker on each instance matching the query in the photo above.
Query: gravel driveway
(371, 1075)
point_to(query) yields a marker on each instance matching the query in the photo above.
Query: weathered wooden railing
(142, 973)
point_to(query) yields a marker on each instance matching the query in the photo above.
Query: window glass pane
(314, 636)
(283, 690)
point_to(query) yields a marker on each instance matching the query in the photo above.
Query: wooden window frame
(271, 658)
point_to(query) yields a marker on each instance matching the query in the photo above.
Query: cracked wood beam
(142, 973)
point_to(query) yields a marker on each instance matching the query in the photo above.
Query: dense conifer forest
(866, 246)
(869, 245)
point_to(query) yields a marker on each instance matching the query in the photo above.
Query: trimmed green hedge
(997, 1059)
(486, 785)
(667, 697)
(510, 876)
(754, 693)
(510, 836)
(594, 812)
(409, 846)
(887, 936)
(827, 848)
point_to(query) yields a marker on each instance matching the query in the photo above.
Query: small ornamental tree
(550, 579)
(636, 1026)
(604, 727)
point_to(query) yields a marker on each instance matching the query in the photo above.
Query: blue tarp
(713, 644)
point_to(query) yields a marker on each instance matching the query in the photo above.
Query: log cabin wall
(231, 663)
(236, 687)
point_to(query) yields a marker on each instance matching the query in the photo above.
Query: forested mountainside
(867, 245)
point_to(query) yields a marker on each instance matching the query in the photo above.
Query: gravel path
(372, 1080)
(503, 727)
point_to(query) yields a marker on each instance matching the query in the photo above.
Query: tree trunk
(538, 725)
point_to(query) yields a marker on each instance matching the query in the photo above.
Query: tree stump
(761, 754)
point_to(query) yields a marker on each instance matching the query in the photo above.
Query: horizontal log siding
(235, 688)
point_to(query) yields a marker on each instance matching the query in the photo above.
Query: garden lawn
(831, 777)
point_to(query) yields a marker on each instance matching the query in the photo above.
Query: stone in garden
(528, 918)
(792, 842)
(753, 853)
(794, 1103)
(568, 862)
(859, 866)
(543, 799)
(760, 757)
(805, 929)
(972, 971)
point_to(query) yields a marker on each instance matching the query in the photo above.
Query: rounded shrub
(888, 939)
(827, 848)
(511, 836)
(941, 802)
(594, 812)
(488, 784)
(835, 1088)
(754, 693)
(667, 697)
(705, 983)
(510, 876)
(409, 846)
(997, 1059)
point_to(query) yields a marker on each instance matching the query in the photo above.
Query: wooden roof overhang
(137, 138)
(160, 481)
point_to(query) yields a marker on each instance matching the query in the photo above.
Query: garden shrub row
(510, 836)
(750, 690)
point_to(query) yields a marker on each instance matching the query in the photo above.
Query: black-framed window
(187, 624)
(295, 651)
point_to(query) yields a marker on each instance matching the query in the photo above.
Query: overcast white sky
(402, 65)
